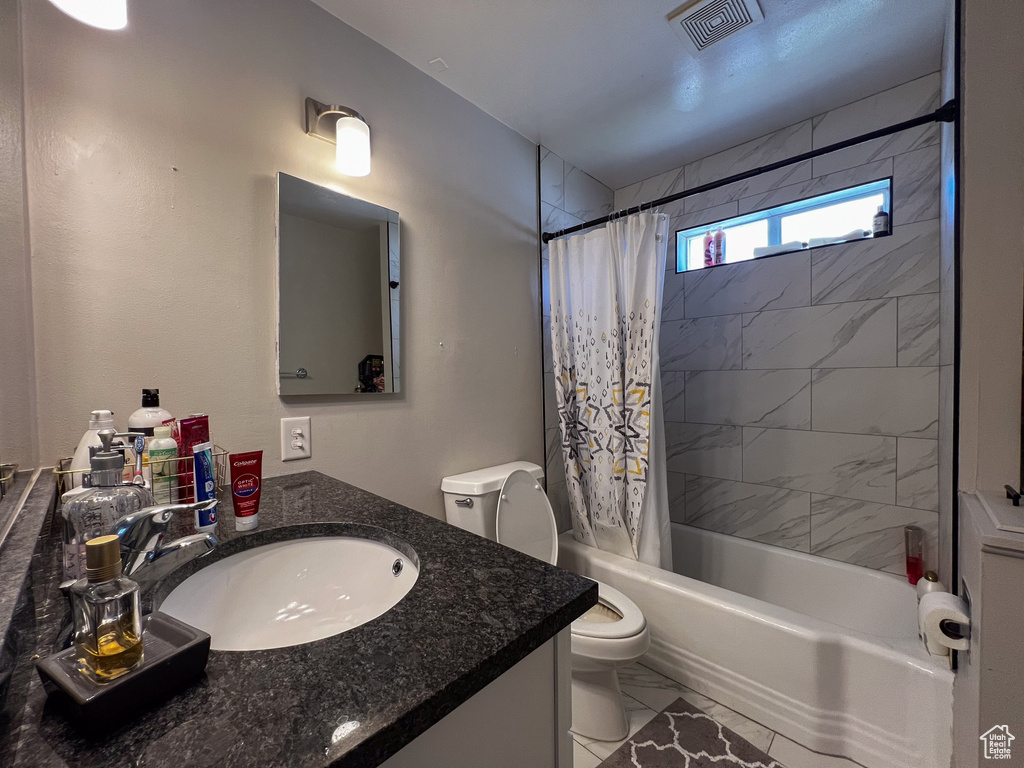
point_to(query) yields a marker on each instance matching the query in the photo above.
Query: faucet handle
(142, 530)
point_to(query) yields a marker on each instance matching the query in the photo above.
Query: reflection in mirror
(338, 292)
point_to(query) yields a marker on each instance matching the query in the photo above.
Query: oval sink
(292, 592)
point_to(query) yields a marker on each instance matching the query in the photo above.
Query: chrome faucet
(144, 557)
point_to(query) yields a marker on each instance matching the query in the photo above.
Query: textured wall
(802, 390)
(17, 379)
(568, 197)
(151, 166)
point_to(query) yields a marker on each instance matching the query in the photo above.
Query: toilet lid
(525, 521)
(631, 623)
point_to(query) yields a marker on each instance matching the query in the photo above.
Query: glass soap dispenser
(107, 619)
(93, 512)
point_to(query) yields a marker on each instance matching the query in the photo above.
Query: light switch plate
(296, 440)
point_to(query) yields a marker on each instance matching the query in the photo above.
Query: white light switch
(296, 440)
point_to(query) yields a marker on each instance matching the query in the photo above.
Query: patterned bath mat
(681, 736)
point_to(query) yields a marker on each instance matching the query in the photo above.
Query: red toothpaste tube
(193, 431)
(246, 478)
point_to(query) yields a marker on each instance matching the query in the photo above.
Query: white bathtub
(822, 652)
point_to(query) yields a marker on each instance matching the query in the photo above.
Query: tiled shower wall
(568, 196)
(802, 390)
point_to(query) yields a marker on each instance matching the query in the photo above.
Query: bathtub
(822, 652)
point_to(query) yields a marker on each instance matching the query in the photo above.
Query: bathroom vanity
(470, 668)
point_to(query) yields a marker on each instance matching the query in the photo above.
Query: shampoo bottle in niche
(719, 246)
(709, 249)
(107, 619)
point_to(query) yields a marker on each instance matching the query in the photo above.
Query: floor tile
(582, 757)
(792, 755)
(657, 691)
(638, 716)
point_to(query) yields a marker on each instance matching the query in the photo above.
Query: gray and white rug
(681, 736)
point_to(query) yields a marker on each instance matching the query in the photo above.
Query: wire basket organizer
(182, 476)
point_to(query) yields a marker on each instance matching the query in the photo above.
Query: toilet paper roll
(938, 615)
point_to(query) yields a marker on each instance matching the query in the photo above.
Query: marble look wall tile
(917, 339)
(894, 105)
(855, 334)
(550, 403)
(586, 197)
(866, 534)
(702, 449)
(915, 186)
(702, 344)
(770, 515)
(546, 344)
(554, 470)
(673, 301)
(545, 286)
(750, 398)
(876, 401)
(779, 145)
(552, 178)
(918, 97)
(673, 387)
(917, 473)
(662, 185)
(757, 185)
(820, 185)
(750, 286)
(854, 466)
(554, 219)
(906, 262)
(706, 216)
(558, 495)
(677, 497)
(947, 497)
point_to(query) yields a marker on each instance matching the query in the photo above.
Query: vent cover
(705, 22)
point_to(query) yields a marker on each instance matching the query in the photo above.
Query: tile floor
(646, 692)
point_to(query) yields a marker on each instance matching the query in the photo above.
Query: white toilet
(507, 504)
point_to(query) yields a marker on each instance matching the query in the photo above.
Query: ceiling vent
(705, 22)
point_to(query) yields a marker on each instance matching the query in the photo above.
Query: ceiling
(607, 85)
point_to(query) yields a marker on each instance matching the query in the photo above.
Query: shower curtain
(606, 293)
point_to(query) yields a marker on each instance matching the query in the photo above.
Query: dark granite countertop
(476, 610)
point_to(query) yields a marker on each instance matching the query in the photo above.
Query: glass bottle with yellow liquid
(105, 606)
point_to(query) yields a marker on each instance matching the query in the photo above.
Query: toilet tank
(471, 499)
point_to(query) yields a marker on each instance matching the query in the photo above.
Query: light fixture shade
(105, 14)
(353, 136)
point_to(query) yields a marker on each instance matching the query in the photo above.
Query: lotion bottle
(80, 463)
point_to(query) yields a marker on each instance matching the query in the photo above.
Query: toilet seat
(631, 623)
(525, 520)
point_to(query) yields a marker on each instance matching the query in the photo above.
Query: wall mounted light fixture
(344, 127)
(105, 14)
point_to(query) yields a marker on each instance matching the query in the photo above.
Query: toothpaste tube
(246, 477)
(193, 431)
(206, 486)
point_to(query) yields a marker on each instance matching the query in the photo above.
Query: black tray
(174, 653)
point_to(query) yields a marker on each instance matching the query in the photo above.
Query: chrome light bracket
(321, 119)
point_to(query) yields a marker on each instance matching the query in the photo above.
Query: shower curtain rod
(944, 114)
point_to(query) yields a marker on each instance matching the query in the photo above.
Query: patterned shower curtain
(606, 293)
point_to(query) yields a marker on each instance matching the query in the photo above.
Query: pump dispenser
(93, 512)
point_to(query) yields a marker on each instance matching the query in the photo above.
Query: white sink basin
(292, 592)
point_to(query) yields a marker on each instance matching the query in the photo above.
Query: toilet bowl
(507, 504)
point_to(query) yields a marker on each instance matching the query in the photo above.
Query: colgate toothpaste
(246, 478)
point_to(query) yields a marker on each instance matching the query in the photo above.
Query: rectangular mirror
(338, 292)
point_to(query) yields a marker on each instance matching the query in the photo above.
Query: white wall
(17, 387)
(151, 172)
